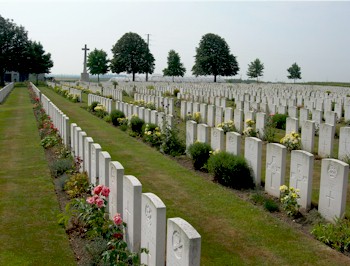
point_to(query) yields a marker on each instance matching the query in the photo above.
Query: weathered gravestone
(275, 168)
(153, 233)
(301, 172)
(334, 183)
(183, 243)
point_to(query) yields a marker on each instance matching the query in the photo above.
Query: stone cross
(85, 49)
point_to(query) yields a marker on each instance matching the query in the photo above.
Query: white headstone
(153, 233)
(238, 120)
(301, 172)
(132, 190)
(308, 135)
(191, 132)
(103, 168)
(115, 202)
(253, 154)
(217, 139)
(334, 184)
(275, 168)
(183, 243)
(292, 125)
(95, 155)
(326, 140)
(203, 133)
(233, 143)
(344, 143)
(87, 158)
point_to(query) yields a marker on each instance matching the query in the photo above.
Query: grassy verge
(234, 232)
(29, 232)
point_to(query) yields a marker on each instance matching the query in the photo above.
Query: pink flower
(98, 189)
(105, 191)
(90, 200)
(99, 202)
(117, 219)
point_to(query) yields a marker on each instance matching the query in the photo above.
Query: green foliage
(269, 130)
(230, 170)
(150, 87)
(289, 199)
(335, 235)
(92, 106)
(97, 62)
(270, 205)
(199, 153)
(49, 141)
(227, 126)
(292, 141)
(131, 54)
(136, 125)
(115, 114)
(176, 91)
(172, 144)
(175, 67)
(152, 135)
(77, 185)
(294, 72)
(280, 121)
(61, 166)
(213, 58)
(14, 45)
(255, 69)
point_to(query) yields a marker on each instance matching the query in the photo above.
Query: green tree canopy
(175, 67)
(294, 72)
(39, 61)
(13, 47)
(97, 63)
(131, 54)
(213, 57)
(255, 69)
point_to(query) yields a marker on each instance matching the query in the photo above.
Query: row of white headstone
(5, 91)
(167, 104)
(334, 173)
(71, 91)
(173, 241)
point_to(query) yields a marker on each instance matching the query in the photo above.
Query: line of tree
(20, 54)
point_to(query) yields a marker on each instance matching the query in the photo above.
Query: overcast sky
(315, 35)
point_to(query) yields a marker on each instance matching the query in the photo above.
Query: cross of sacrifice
(85, 49)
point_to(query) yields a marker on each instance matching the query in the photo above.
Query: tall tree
(175, 67)
(97, 63)
(213, 57)
(13, 46)
(255, 69)
(294, 72)
(131, 54)
(40, 62)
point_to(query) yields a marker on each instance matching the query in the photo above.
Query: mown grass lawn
(234, 232)
(29, 233)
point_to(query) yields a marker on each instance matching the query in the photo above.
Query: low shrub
(92, 106)
(270, 205)
(335, 235)
(199, 153)
(61, 166)
(279, 121)
(49, 141)
(77, 185)
(176, 91)
(230, 170)
(172, 144)
(136, 124)
(115, 114)
(152, 135)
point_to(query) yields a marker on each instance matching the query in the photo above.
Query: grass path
(29, 233)
(234, 232)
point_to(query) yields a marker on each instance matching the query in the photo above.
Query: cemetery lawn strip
(234, 231)
(29, 232)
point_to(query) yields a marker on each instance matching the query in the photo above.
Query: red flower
(98, 189)
(118, 235)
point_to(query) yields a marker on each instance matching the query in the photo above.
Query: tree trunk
(173, 78)
(2, 78)
(133, 76)
(37, 79)
(214, 78)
